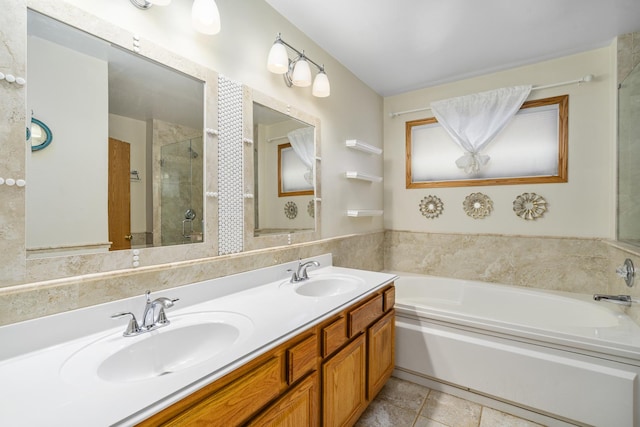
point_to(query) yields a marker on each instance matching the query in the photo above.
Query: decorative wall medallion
(477, 205)
(529, 206)
(311, 209)
(291, 210)
(431, 206)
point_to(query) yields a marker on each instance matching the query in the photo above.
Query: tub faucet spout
(616, 299)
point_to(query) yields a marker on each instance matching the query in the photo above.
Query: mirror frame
(252, 242)
(42, 269)
(48, 135)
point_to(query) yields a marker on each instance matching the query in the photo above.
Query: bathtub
(561, 355)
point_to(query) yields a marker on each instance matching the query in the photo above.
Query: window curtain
(302, 142)
(474, 120)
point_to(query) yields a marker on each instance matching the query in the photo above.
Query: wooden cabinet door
(298, 407)
(344, 383)
(381, 344)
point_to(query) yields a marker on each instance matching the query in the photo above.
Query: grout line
(419, 411)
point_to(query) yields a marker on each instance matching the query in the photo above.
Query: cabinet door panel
(344, 382)
(380, 341)
(295, 409)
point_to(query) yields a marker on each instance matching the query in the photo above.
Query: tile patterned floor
(404, 404)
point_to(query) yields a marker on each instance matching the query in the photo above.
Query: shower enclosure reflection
(180, 211)
(628, 158)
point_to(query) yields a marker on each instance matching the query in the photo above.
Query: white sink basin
(328, 285)
(189, 340)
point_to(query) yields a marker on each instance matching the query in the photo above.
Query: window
(531, 149)
(292, 173)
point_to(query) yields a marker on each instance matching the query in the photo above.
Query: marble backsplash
(43, 298)
(552, 263)
(563, 264)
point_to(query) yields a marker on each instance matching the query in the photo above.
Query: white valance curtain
(474, 120)
(302, 142)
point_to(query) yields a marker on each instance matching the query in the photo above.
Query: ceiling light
(297, 72)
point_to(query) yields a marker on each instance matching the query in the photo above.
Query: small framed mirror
(39, 135)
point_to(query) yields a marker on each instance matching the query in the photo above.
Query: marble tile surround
(563, 264)
(551, 263)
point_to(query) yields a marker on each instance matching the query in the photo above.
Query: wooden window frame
(563, 145)
(281, 192)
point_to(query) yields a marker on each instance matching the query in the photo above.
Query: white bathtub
(561, 355)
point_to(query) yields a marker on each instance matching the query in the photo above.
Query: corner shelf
(363, 212)
(356, 144)
(362, 176)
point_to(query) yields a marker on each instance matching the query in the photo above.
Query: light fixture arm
(141, 4)
(300, 54)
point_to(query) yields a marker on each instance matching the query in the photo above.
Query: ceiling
(395, 46)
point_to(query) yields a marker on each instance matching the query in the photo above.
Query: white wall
(135, 133)
(239, 52)
(582, 207)
(76, 161)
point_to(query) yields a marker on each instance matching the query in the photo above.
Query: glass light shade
(278, 61)
(205, 16)
(301, 75)
(321, 87)
(160, 2)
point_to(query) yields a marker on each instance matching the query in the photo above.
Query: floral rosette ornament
(529, 206)
(291, 210)
(431, 206)
(477, 205)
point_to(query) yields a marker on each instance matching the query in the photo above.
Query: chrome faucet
(301, 273)
(150, 320)
(616, 299)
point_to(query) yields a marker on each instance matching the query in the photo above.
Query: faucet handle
(162, 316)
(627, 272)
(132, 328)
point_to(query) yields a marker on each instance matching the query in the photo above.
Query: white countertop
(32, 353)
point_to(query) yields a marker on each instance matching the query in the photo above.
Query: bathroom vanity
(331, 370)
(251, 348)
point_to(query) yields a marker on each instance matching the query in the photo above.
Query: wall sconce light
(205, 17)
(297, 72)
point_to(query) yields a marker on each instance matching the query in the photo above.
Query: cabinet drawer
(364, 315)
(333, 336)
(389, 298)
(302, 358)
(235, 403)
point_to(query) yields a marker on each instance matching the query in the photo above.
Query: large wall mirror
(127, 168)
(284, 160)
(285, 174)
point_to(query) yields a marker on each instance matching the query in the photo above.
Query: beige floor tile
(426, 422)
(404, 394)
(451, 410)
(493, 418)
(381, 413)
